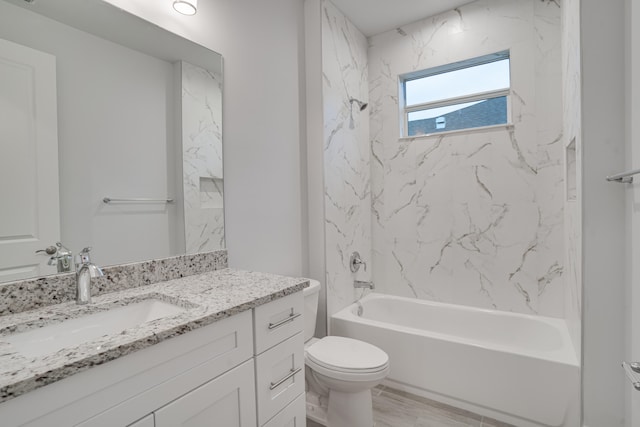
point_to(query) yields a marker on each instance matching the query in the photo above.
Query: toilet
(339, 373)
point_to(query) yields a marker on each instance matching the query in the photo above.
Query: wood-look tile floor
(394, 408)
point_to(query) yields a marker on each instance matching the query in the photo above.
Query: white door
(29, 203)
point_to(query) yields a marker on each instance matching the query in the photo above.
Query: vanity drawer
(294, 415)
(278, 320)
(279, 377)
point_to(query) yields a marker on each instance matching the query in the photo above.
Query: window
(463, 95)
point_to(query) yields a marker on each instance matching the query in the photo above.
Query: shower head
(361, 105)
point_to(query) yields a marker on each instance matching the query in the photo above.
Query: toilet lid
(347, 355)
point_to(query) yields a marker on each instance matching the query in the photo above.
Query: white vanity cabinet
(245, 370)
(225, 401)
(279, 347)
(278, 387)
(294, 415)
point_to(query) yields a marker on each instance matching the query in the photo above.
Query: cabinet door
(228, 401)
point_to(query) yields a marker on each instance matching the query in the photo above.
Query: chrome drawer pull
(291, 317)
(289, 375)
(631, 369)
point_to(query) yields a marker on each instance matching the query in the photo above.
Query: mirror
(98, 104)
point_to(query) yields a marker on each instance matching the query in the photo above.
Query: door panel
(228, 400)
(29, 207)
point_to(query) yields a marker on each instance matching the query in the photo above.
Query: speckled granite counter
(206, 297)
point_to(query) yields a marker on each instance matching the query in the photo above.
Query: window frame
(442, 69)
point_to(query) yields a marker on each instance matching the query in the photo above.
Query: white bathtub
(517, 368)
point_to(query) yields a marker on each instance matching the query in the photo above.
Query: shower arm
(361, 105)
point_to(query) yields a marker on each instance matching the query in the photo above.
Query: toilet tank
(311, 296)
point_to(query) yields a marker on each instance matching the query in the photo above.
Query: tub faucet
(85, 270)
(362, 284)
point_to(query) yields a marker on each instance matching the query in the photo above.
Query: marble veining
(19, 296)
(206, 297)
(473, 217)
(346, 155)
(202, 159)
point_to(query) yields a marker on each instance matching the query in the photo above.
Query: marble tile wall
(572, 131)
(472, 218)
(202, 159)
(346, 155)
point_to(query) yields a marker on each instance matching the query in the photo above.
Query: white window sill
(506, 126)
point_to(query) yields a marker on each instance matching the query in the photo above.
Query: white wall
(262, 45)
(315, 155)
(603, 135)
(632, 319)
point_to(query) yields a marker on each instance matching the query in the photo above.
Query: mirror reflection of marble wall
(202, 158)
(119, 130)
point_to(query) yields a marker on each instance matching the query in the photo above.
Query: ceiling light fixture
(186, 7)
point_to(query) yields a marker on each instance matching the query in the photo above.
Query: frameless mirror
(110, 137)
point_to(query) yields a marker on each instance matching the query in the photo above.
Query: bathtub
(516, 368)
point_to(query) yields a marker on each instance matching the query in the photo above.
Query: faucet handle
(62, 250)
(49, 250)
(355, 262)
(83, 256)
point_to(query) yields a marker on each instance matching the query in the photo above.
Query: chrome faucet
(362, 284)
(61, 257)
(85, 270)
(355, 262)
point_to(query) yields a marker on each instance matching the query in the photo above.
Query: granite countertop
(206, 298)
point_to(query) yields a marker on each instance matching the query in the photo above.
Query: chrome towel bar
(138, 200)
(624, 177)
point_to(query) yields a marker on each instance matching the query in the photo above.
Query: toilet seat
(347, 359)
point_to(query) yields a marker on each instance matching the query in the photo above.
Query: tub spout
(362, 284)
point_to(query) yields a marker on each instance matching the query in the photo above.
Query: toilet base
(350, 409)
(345, 410)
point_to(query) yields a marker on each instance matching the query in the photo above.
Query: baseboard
(461, 404)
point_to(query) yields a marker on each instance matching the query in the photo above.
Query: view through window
(467, 94)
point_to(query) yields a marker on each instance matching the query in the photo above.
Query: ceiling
(377, 16)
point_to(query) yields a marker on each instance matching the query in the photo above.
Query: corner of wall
(314, 155)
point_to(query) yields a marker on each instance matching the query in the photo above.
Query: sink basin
(73, 332)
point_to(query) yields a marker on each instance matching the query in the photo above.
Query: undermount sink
(73, 332)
